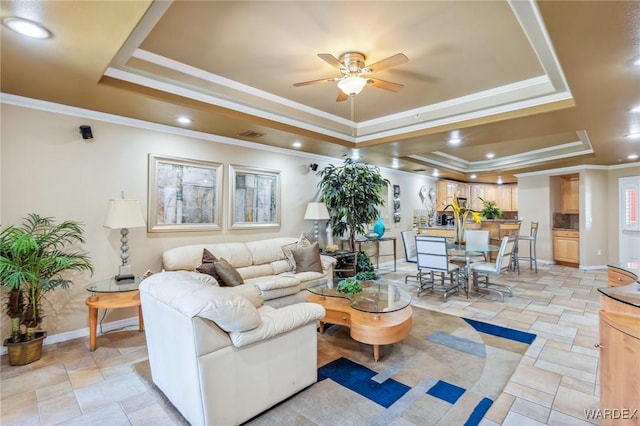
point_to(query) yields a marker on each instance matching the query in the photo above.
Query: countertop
(567, 229)
(629, 294)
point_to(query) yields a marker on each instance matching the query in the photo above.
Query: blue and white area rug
(448, 371)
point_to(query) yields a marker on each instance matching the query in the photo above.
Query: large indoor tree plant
(352, 193)
(35, 258)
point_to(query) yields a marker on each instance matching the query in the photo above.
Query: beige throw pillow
(302, 242)
(307, 259)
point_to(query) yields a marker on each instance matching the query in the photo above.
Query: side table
(350, 268)
(108, 294)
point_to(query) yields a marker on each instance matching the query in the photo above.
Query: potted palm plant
(34, 258)
(352, 193)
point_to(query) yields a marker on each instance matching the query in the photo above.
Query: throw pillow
(208, 264)
(302, 242)
(308, 259)
(228, 274)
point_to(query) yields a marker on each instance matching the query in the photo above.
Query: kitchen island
(619, 346)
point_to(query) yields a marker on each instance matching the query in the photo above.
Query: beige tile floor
(555, 382)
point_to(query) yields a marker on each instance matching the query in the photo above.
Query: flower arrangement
(460, 215)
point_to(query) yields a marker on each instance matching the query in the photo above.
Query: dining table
(468, 252)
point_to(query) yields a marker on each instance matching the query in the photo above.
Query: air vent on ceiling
(419, 170)
(251, 134)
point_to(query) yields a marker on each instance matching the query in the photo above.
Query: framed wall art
(183, 195)
(255, 197)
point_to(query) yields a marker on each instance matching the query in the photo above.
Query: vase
(459, 229)
(378, 227)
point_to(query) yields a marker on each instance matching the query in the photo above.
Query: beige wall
(594, 218)
(534, 204)
(49, 169)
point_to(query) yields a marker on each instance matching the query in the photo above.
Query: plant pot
(22, 353)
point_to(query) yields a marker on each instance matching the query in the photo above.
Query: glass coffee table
(380, 315)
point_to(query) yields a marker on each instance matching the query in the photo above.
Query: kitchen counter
(628, 294)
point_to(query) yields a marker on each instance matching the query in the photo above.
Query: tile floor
(555, 382)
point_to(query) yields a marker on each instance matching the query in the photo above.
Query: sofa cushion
(251, 292)
(278, 321)
(307, 258)
(287, 249)
(268, 250)
(227, 273)
(230, 311)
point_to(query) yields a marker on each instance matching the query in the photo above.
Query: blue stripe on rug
(458, 343)
(496, 330)
(358, 378)
(446, 391)
(479, 412)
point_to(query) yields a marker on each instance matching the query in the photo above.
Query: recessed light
(634, 135)
(637, 62)
(26, 27)
(490, 155)
(297, 144)
(394, 163)
(635, 108)
(183, 120)
(455, 141)
(632, 157)
(499, 182)
(473, 176)
(436, 172)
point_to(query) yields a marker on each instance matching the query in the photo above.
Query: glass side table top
(111, 286)
(377, 296)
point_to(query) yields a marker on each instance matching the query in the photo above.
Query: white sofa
(219, 355)
(261, 262)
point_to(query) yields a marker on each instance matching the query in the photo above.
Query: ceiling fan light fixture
(352, 85)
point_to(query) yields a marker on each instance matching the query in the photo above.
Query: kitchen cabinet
(566, 247)
(503, 198)
(503, 195)
(447, 189)
(570, 194)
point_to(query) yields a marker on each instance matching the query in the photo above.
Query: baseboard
(84, 332)
(593, 267)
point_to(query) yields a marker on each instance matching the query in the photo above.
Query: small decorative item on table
(460, 214)
(349, 286)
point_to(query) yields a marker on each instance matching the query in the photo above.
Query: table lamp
(317, 212)
(123, 214)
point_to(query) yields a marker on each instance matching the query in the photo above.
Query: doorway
(629, 222)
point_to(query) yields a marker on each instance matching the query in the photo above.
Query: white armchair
(219, 355)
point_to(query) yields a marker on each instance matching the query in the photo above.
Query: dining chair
(410, 253)
(433, 258)
(511, 229)
(481, 271)
(531, 238)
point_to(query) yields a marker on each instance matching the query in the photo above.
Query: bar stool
(532, 258)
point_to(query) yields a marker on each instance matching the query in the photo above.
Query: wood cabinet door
(570, 194)
(619, 371)
(566, 249)
(503, 198)
(514, 198)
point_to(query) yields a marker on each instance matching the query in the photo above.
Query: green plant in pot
(349, 286)
(490, 209)
(34, 258)
(352, 193)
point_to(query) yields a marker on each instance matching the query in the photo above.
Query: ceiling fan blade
(310, 82)
(331, 60)
(342, 96)
(391, 61)
(383, 84)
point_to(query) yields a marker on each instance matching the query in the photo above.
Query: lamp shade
(316, 211)
(123, 214)
(352, 85)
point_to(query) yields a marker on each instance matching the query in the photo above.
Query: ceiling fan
(353, 68)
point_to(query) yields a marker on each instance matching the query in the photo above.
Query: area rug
(448, 371)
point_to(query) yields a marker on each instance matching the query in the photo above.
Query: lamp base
(124, 275)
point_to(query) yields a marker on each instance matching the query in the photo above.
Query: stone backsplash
(566, 220)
